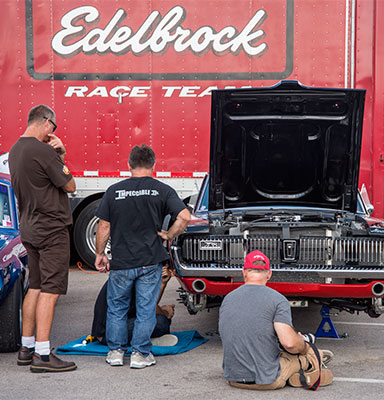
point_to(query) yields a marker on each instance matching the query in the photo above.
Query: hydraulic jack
(327, 327)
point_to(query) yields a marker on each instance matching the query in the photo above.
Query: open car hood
(285, 145)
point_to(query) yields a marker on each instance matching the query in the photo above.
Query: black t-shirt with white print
(136, 208)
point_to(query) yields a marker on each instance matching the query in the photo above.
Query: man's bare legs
(45, 311)
(29, 312)
(38, 313)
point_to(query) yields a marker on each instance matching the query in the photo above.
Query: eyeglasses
(54, 125)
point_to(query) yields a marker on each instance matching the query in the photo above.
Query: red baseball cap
(253, 256)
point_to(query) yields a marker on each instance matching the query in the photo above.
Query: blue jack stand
(326, 327)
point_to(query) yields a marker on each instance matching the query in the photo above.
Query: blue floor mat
(188, 340)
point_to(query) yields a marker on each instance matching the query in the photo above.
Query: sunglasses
(54, 125)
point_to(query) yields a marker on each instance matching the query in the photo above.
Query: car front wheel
(10, 319)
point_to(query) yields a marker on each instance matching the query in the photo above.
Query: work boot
(50, 363)
(24, 356)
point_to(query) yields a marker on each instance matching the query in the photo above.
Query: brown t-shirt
(37, 174)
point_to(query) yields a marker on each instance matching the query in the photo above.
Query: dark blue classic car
(13, 269)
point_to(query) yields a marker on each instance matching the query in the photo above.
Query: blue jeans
(163, 325)
(147, 285)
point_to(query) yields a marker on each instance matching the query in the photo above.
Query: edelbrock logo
(156, 35)
(210, 245)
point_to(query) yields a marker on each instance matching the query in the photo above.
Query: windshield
(5, 207)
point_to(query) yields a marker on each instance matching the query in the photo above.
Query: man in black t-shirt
(131, 213)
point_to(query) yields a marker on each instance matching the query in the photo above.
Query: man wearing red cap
(253, 320)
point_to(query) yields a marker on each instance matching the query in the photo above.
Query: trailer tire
(84, 233)
(10, 319)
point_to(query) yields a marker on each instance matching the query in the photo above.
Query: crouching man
(253, 320)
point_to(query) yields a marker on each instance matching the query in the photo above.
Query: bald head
(257, 276)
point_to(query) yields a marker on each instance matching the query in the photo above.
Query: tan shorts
(49, 263)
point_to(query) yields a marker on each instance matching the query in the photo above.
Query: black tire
(10, 319)
(84, 234)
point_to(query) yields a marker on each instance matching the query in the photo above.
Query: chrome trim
(361, 257)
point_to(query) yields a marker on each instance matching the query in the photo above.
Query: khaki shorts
(49, 263)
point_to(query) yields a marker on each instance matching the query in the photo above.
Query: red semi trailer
(120, 73)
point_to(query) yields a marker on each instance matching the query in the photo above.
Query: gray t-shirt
(250, 344)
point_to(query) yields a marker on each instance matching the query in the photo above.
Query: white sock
(28, 341)
(43, 348)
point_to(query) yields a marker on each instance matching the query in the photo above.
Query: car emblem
(210, 245)
(289, 250)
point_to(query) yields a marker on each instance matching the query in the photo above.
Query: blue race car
(13, 269)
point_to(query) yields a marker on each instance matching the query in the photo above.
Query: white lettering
(143, 91)
(169, 90)
(139, 91)
(137, 43)
(156, 34)
(89, 14)
(119, 91)
(189, 91)
(123, 194)
(201, 39)
(120, 194)
(99, 91)
(119, 39)
(207, 91)
(16, 250)
(219, 44)
(246, 36)
(79, 91)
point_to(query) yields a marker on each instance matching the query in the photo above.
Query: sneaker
(165, 340)
(115, 357)
(326, 356)
(140, 361)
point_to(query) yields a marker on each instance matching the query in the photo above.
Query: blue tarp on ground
(187, 340)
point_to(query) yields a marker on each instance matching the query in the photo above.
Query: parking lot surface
(358, 365)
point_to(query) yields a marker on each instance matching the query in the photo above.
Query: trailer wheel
(84, 234)
(10, 319)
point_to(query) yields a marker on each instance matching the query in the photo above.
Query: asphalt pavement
(358, 365)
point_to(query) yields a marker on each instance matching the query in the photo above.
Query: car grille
(306, 253)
